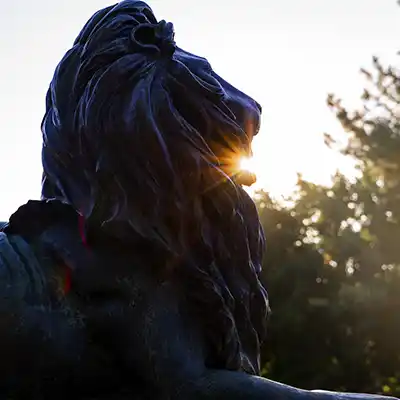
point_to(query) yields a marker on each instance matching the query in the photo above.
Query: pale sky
(287, 54)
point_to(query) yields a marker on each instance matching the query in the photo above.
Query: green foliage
(333, 259)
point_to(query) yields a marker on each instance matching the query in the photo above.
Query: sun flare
(248, 164)
(277, 171)
(277, 183)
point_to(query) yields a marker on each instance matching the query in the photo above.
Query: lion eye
(207, 66)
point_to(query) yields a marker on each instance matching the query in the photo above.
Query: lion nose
(256, 118)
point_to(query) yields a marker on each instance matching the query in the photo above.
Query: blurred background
(327, 158)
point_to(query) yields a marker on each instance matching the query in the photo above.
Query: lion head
(143, 139)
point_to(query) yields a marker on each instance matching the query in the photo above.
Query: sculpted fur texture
(137, 275)
(140, 143)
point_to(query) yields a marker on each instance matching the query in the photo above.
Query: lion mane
(135, 138)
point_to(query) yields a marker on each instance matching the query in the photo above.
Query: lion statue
(137, 275)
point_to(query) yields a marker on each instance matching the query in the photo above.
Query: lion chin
(246, 178)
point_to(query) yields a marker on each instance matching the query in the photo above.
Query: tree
(333, 259)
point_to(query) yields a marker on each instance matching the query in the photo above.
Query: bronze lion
(137, 275)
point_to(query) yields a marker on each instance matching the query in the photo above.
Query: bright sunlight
(249, 164)
(294, 63)
(277, 172)
(279, 183)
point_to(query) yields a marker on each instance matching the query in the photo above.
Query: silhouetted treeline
(332, 267)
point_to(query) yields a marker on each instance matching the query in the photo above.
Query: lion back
(22, 280)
